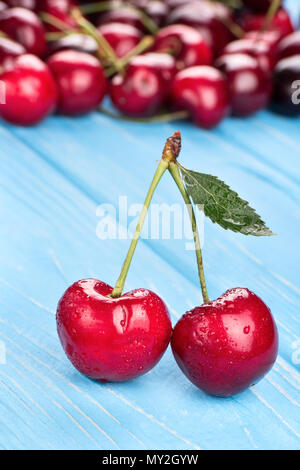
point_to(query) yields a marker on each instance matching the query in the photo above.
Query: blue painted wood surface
(52, 178)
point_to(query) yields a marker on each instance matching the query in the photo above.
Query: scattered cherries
(145, 55)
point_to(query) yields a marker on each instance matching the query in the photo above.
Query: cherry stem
(141, 47)
(56, 22)
(108, 6)
(173, 169)
(164, 117)
(274, 7)
(106, 52)
(170, 149)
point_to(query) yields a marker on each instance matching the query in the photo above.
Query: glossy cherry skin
(3, 6)
(122, 15)
(185, 43)
(258, 5)
(203, 91)
(28, 4)
(76, 41)
(265, 54)
(30, 91)
(290, 45)
(209, 18)
(286, 86)
(281, 22)
(60, 9)
(225, 346)
(25, 27)
(271, 37)
(121, 37)
(146, 85)
(80, 80)
(250, 86)
(112, 339)
(9, 50)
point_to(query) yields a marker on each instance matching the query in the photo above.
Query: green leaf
(222, 205)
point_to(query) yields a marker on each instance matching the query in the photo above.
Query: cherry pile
(153, 59)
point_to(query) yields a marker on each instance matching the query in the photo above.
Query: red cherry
(112, 339)
(122, 15)
(203, 91)
(185, 43)
(9, 50)
(261, 50)
(3, 6)
(225, 346)
(258, 5)
(286, 86)
(80, 80)
(121, 37)
(281, 22)
(209, 18)
(24, 27)
(146, 85)
(290, 45)
(30, 91)
(60, 9)
(157, 10)
(77, 41)
(28, 4)
(250, 86)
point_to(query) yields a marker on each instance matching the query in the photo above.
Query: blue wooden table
(53, 178)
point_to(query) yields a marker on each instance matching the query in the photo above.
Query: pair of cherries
(223, 346)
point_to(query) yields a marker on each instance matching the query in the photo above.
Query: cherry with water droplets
(80, 80)
(25, 27)
(203, 91)
(112, 339)
(225, 346)
(185, 43)
(250, 86)
(30, 91)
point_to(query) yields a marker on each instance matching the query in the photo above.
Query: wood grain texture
(52, 178)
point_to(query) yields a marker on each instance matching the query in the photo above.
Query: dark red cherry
(261, 50)
(3, 6)
(112, 339)
(158, 11)
(122, 37)
(250, 86)
(258, 5)
(145, 87)
(9, 50)
(59, 9)
(209, 18)
(80, 80)
(122, 15)
(185, 43)
(76, 41)
(28, 4)
(281, 22)
(25, 27)
(203, 91)
(30, 91)
(290, 45)
(227, 345)
(286, 86)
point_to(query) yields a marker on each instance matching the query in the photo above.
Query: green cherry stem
(274, 7)
(173, 169)
(162, 167)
